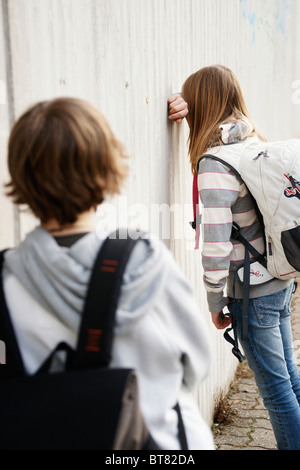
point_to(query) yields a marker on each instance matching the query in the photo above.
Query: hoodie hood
(57, 277)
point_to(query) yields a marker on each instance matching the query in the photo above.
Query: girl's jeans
(270, 354)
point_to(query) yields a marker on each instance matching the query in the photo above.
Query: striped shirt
(225, 200)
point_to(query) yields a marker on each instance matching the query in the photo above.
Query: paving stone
(233, 440)
(243, 405)
(253, 413)
(262, 423)
(263, 438)
(242, 397)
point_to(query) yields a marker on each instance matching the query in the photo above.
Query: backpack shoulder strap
(237, 174)
(96, 331)
(218, 159)
(198, 218)
(14, 365)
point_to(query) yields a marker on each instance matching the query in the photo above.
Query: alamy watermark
(163, 221)
(2, 92)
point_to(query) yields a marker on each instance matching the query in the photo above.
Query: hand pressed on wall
(178, 108)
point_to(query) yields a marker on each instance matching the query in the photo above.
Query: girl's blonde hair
(214, 96)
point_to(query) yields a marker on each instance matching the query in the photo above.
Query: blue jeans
(270, 355)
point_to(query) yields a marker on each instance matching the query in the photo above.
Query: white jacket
(159, 329)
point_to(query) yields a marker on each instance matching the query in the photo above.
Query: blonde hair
(213, 95)
(63, 159)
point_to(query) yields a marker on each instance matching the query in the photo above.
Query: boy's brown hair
(63, 159)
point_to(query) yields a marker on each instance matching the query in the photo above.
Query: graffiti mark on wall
(249, 15)
(272, 18)
(283, 10)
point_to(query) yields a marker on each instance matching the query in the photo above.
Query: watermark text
(163, 221)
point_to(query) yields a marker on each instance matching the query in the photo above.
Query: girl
(217, 115)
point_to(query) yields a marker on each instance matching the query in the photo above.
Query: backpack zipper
(265, 155)
(269, 244)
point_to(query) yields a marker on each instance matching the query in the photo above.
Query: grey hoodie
(159, 330)
(57, 277)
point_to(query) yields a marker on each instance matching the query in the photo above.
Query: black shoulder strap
(96, 332)
(237, 174)
(13, 364)
(198, 219)
(236, 234)
(218, 159)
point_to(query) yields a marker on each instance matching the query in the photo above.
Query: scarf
(230, 133)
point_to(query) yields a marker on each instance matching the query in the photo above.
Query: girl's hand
(220, 320)
(178, 108)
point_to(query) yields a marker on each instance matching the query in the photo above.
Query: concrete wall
(7, 212)
(128, 57)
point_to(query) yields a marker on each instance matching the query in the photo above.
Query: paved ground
(246, 423)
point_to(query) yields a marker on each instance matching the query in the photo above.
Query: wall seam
(10, 95)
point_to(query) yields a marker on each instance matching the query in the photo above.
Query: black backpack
(88, 406)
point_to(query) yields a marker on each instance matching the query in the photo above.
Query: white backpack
(271, 172)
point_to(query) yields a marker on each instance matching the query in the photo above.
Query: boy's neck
(84, 223)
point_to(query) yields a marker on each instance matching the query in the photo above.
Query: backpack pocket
(290, 240)
(283, 250)
(258, 274)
